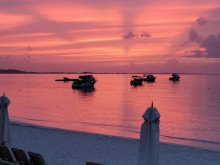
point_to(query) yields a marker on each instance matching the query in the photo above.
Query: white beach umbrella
(5, 137)
(149, 138)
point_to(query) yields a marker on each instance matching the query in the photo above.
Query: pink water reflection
(189, 108)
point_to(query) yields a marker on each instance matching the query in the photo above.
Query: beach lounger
(2, 162)
(21, 156)
(6, 155)
(36, 158)
(92, 163)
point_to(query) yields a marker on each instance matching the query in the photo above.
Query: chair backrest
(6, 154)
(20, 156)
(36, 158)
(3, 162)
(93, 163)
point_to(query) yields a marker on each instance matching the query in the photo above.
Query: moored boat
(86, 80)
(136, 80)
(149, 78)
(65, 79)
(175, 77)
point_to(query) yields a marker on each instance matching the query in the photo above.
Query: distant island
(13, 71)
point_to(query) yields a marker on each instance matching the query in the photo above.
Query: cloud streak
(53, 32)
(132, 35)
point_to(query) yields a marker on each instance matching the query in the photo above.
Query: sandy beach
(62, 147)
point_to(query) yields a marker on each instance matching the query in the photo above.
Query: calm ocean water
(190, 108)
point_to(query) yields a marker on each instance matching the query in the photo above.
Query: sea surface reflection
(189, 108)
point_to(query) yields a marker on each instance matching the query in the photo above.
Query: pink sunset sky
(110, 35)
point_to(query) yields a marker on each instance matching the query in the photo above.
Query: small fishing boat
(149, 78)
(136, 80)
(65, 79)
(175, 77)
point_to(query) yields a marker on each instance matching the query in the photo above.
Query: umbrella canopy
(149, 138)
(5, 137)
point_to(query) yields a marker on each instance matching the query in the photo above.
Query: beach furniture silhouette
(2, 162)
(148, 153)
(21, 156)
(6, 154)
(93, 163)
(5, 137)
(36, 158)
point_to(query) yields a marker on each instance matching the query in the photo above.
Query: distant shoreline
(15, 71)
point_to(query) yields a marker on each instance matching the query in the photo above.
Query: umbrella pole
(150, 144)
(3, 110)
